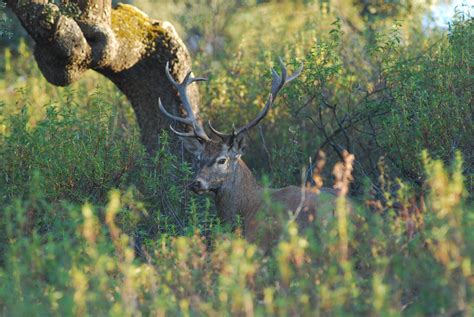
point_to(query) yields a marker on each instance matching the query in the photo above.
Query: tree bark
(123, 44)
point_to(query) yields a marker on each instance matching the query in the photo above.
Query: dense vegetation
(91, 225)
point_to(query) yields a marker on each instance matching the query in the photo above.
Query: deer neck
(240, 195)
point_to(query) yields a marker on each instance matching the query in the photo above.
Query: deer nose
(198, 185)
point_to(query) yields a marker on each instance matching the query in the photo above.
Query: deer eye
(221, 161)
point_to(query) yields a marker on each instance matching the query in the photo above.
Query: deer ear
(193, 145)
(238, 144)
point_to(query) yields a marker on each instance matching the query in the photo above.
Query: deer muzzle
(199, 186)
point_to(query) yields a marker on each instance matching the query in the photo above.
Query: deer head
(220, 158)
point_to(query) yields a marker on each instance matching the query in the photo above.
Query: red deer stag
(222, 172)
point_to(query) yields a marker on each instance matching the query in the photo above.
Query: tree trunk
(123, 44)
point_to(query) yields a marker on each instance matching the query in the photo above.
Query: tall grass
(63, 258)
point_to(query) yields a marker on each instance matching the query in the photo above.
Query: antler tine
(257, 119)
(185, 134)
(198, 130)
(219, 134)
(168, 74)
(295, 74)
(278, 82)
(189, 80)
(169, 115)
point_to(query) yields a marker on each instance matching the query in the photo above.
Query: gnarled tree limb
(123, 44)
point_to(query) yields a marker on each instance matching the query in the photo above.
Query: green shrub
(414, 261)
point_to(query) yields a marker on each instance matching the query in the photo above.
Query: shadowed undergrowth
(124, 251)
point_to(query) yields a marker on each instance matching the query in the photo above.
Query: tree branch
(123, 44)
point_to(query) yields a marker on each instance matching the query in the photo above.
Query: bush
(392, 100)
(413, 262)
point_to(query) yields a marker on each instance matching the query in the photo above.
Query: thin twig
(265, 148)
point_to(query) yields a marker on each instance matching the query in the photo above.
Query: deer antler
(190, 119)
(278, 82)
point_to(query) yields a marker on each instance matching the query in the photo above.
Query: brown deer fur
(222, 172)
(237, 194)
